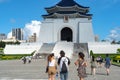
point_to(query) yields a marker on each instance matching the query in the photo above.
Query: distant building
(97, 38)
(32, 38)
(3, 36)
(13, 39)
(17, 33)
(10, 40)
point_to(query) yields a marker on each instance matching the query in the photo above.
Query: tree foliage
(91, 53)
(2, 44)
(118, 50)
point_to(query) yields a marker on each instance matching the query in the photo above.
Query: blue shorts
(107, 65)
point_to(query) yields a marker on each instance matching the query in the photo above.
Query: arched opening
(66, 34)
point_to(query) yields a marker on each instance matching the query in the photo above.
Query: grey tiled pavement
(16, 70)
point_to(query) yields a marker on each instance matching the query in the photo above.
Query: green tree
(118, 42)
(91, 53)
(17, 42)
(103, 40)
(113, 42)
(2, 44)
(118, 50)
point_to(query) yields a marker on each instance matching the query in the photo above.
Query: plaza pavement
(16, 70)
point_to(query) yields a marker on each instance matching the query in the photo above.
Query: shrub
(13, 57)
(2, 44)
(118, 50)
(117, 58)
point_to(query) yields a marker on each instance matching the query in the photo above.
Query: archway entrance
(66, 34)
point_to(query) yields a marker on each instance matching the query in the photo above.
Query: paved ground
(16, 70)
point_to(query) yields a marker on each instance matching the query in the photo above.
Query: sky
(26, 14)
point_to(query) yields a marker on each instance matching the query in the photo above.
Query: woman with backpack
(63, 62)
(81, 63)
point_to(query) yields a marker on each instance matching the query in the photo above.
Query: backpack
(64, 68)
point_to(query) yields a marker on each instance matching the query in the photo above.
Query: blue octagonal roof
(68, 3)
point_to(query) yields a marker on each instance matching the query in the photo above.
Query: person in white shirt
(64, 63)
(52, 67)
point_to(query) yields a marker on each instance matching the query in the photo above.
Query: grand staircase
(46, 48)
(68, 47)
(81, 47)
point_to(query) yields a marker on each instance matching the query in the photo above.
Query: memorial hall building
(67, 21)
(66, 26)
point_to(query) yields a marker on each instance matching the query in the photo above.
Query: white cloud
(29, 29)
(9, 35)
(114, 34)
(32, 27)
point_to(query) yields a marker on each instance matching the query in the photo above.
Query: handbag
(47, 69)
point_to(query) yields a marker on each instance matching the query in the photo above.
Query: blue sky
(18, 13)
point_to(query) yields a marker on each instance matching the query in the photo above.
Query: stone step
(46, 48)
(81, 47)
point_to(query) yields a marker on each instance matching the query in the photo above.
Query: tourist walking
(93, 66)
(81, 63)
(99, 61)
(52, 67)
(107, 64)
(29, 59)
(64, 63)
(24, 60)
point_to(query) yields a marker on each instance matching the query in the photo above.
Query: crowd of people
(63, 63)
(98, 63)
(26, 59)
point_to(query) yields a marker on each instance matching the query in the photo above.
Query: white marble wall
(81, 27)
(86, 32)
(25, 48)
(103, 47)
